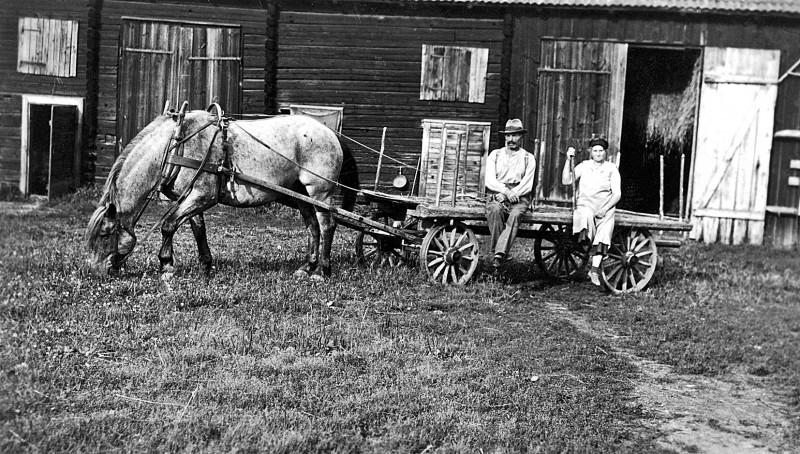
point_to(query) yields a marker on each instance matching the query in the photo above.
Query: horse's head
(109, 242)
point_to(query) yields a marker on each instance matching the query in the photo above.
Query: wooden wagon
(438, 221)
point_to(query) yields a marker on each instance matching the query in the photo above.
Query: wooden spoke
(631, 261)
(381, 250)
(467, 246)
(450, 253)
(558, 253)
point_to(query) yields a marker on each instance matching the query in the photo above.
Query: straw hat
(514, 126)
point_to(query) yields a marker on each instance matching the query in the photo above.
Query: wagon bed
(546, 214)
(449, 251)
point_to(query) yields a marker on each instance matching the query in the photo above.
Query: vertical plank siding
(47, 46)
(371, 65)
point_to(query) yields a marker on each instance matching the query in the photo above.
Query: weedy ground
(372, 360)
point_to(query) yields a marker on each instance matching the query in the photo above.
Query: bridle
(171, 163)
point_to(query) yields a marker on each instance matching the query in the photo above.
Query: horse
(225, 159)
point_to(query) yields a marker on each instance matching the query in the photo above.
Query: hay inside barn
(661, 95)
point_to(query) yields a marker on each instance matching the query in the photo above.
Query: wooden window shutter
(452, 73)
(47, 47)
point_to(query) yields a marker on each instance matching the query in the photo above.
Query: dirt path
(697, 413)
(17, 208)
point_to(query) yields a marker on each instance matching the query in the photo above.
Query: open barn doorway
(661, 96)
(50, 153)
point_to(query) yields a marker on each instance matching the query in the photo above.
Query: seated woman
(598, 191)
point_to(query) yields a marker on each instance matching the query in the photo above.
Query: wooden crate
(451, 169)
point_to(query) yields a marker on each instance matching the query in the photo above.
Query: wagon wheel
(558, 252)
(381, 250)
(450, 253)
(631, 261)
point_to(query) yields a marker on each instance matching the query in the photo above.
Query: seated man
(509, 183)
(598, 193)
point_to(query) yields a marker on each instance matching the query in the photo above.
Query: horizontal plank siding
(371, 65)
(14, 83)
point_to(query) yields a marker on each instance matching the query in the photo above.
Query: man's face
(513, 141)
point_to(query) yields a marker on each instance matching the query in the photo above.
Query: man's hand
(500, 197)
(571, 152)
(600, 214)
(511, 196)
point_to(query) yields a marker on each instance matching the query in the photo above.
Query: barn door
(210, 57)
(162, 62)
(734, 140)
(63, 134)
(581, 91)
(147, 71)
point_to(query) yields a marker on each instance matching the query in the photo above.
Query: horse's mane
(110, 195)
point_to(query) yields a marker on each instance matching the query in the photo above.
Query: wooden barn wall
(681, 30)
(13, 84)
(252, 22)
(371, 64)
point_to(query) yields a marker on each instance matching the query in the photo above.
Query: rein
(168, 149)
(161, 181)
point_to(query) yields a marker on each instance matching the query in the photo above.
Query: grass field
(252, 359)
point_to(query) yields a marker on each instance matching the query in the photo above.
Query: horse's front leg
(312, 247)
(198, 224)
(193, 205)
(328, 227)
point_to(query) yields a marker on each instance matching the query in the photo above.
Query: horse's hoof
(167, 277)
(301, 273)
(316, 277)
(113, 271)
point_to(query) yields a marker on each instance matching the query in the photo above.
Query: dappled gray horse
(190, 157)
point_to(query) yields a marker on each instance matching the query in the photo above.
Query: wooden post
(572, 172)
(458, 165)
(380, 161)
(539, 193)
(680, 189)
(442, 152)
(661, 186)
(416, 172)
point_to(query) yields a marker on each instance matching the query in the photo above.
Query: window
(452, 73)
(47, 47)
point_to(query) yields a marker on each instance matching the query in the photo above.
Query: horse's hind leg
(328, 227)
(198, 224)
(312, 248)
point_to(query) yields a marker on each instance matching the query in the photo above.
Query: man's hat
(598, 141)
(514, 126)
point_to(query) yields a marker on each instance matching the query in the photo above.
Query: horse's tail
(348, 177)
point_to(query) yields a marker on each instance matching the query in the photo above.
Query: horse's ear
(111, 211)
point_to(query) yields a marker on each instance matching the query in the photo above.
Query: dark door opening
(661, 95)
(52, 130)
